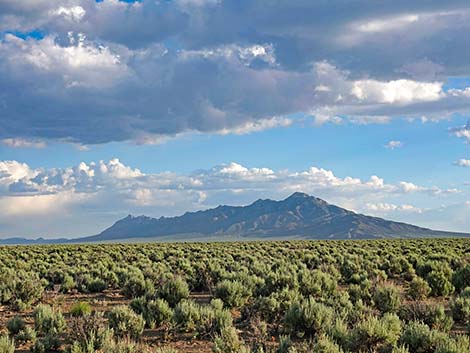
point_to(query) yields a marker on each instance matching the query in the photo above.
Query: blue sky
(109, 108)
(347, 149)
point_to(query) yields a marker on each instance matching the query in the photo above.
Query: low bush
(97, 285)
(308, 318)
(285, 345)
(418, 289)
(68, 283)
(187, 314)
(80, 309)
(461, 278)
(460, 307)
(156, 313)
(233, 293)
(439, 283)
(135, 287)
(229, 342)
(125, 322)
(316, 283)
(361, 291)
(48, 321)
(20, 289)
(459, 344)
(122, 346)
(387, 298)
(222, 320)
(46, 344)
(325, 344)
(174, 290)
(418, 337)
(6, 345)
(15, 325)
(376, 334)
(433, 315)
(202, 319)
(89, 332)
(27, 334)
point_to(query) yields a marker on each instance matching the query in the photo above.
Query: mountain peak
(300, 216)
(299, 195)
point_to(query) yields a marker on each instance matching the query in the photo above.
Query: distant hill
(299, 215)
(28, 241)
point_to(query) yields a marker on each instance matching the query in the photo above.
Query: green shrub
(202, 319)
(465, 292)
(418, 289)
(187, 315)
(15, 325)
(80, 309)
(285, 345)
(89, 333)
(48, 321)
(273, 307)
(360, 291)
(439, 283)
(325, 344)
(6, 345)
(206, 320)
(27, 334)
(20, 289)
(125, 322)
(156, 313)
(46, 344)
(316, 283)
(122, 346)
(135, 287)
(222, 320)
(374, 334)
(96, 286)
(387, 299)
(229, 342)
(308, 318)
(339, 332)
(174, 290)
(432, 315)
(460, 307)
(461, 278)
(233, 293)
(68, 284)
(459, 344)
(418, 337)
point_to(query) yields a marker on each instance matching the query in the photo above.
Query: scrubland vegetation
(387, 296)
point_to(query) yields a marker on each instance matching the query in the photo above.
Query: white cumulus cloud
(103, 191)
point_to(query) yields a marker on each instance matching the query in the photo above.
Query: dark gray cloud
(112, 71)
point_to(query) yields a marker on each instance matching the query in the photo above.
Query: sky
(158, 107)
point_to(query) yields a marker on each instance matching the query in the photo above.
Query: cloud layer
(145, 71)
(58, 199)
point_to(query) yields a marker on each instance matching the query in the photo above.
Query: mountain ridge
(298, 216)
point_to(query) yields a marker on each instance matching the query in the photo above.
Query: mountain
(298, 216)
(28, 241)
